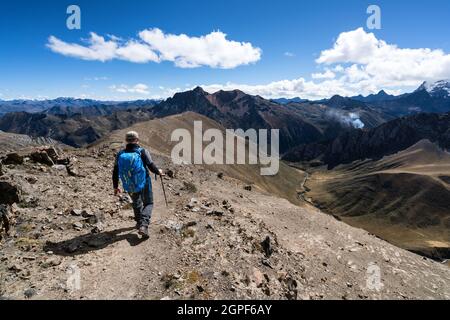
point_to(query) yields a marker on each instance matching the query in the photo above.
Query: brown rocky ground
(216, 240)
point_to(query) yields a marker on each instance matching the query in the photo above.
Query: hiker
(131, 166)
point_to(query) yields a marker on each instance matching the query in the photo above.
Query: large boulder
(41, 156)
(52, 153)
(9, 192)
(13, 158)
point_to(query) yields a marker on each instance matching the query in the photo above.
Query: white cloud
(286, 88)
(213, 50)
(136, 52)
(358, 63)
(289, 54)
(386, 64)
(328, 74)
(139, 88)
(98, 49)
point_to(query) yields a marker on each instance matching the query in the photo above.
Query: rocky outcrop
(13, 158)
(10, 192)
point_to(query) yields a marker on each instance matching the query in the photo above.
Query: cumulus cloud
(358, 63)
(213, 50)
(375, 60)
(139, 88)
(286, 88)
(153, 45)
(328, 74)
(98, 48)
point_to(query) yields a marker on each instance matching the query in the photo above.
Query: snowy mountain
(439, 89)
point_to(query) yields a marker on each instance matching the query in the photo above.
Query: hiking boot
(143, 231)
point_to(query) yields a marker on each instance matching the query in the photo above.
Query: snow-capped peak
(439, 88)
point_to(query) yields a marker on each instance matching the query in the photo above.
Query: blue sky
(272, 48)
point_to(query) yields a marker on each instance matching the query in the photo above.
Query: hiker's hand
(161, 173)
(116, 192)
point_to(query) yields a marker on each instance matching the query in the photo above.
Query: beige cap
(131, 136)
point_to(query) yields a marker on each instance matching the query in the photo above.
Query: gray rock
(52, 153)
(98, 227)
(73, 172)
(13, 158)
(59, 167)
(29, 293)
(78, 226)
(51, 262)
(31, 180)
(267, 246)
(9, 192)
(86, 213)
(192, 203)
(42, 157)
(72, 247)
(216, 213)
(76, 212)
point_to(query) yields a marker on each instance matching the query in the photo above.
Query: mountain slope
(375, 143)
(244, 245)
(403, 198)
(75, 130)
(235, 109)
(14, 142)
(156, 134)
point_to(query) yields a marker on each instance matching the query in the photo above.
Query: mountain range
(63, 103)
(356, 127)
(72, 129)
(375, 143)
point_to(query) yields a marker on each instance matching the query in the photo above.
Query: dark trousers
(143, 204)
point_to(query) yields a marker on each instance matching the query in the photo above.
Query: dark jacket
(146, 158)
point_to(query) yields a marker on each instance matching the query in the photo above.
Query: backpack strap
(141, 150)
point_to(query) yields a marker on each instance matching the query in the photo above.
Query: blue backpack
(132, 172)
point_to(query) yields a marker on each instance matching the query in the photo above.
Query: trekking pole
(164, 190)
